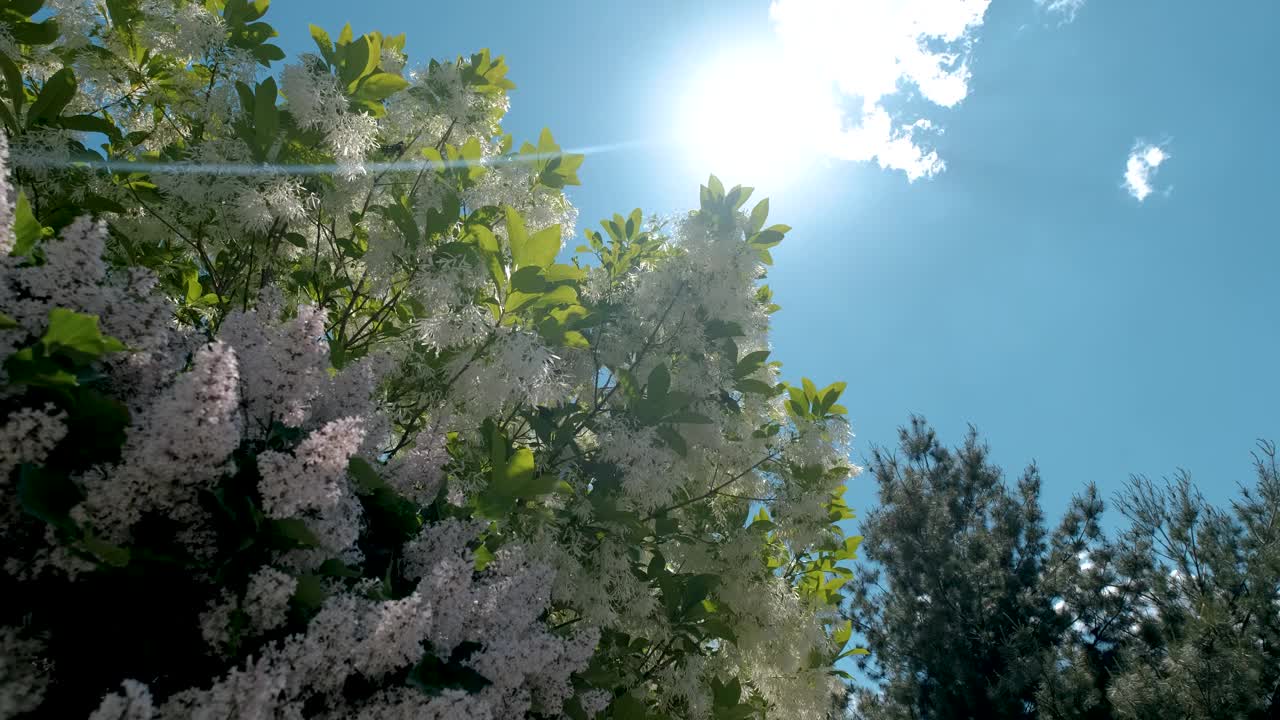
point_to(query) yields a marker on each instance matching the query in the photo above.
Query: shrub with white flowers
(302, 416)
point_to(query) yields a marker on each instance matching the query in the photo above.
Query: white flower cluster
(187, 30)
(512, 184)
(22, 682)
(312, 478)
(74, 277)
(417, 473)
(8, 197)
(266, 599)
(278, 200)
(526, 666)
(77, 19)
(134, 703)
(444, 94)
(317, 103)
(28, 435)
(180, 446)
(260, 400)
(284, 364)
(181, 442)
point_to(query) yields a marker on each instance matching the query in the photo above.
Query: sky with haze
(1052, 219)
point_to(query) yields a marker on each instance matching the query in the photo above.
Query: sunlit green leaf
(54, 96)
(77, 335)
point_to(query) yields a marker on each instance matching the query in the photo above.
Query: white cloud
(1144, 160)
(859, 54)
(1066, 9)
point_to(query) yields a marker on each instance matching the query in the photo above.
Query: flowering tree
(302, 416)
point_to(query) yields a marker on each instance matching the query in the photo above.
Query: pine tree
(951, 602)
(1213, 578)
(970, 611)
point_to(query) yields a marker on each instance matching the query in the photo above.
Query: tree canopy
(306, 413)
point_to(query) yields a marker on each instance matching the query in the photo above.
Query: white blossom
(314, 476)
(417, 473)
(133, 704)
(266, 599)
(185, 29)
(8, 197)
(22, 681)
(181, 445)
(283, 365)
(28, 435)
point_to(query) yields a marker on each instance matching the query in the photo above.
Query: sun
(751, 118)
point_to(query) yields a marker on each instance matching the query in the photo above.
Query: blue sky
(1023, 289)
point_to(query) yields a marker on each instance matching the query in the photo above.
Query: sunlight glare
(749, 119)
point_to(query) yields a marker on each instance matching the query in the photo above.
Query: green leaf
(659, 383)
(766, 239)
(323, 42)
(528, 280)
(759, 214)
(737, 196)
(112, 555)
(559, 273)
(726, 695)
(697, 589)
(517, 236)
(540, 249)
(123, 13)
(517, 471)
(722, 329)
(29, 33)
(432, 675)
(810, 390)
(294, 533)
(484, 238)
(333, 567)
(360, 58)
(750, 363)
(26, 229)
(715, 187)
(674, 440)
(246, 97)
(754, 387)
(850, 549)
(47, 495)
(27, 367)
(89, 123)
(557, 296)
(665, 525)
(54, 96)
(367, 478)
(381, 86)
(8, 323)
(827, 396)
(266, 118)
(628, 707)
(259, 8)
(484, 556)
(76, 335)
(267, 53)
(676, 401)
(25, 8)
(13, 84)
(309, 595)
(842, 633)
